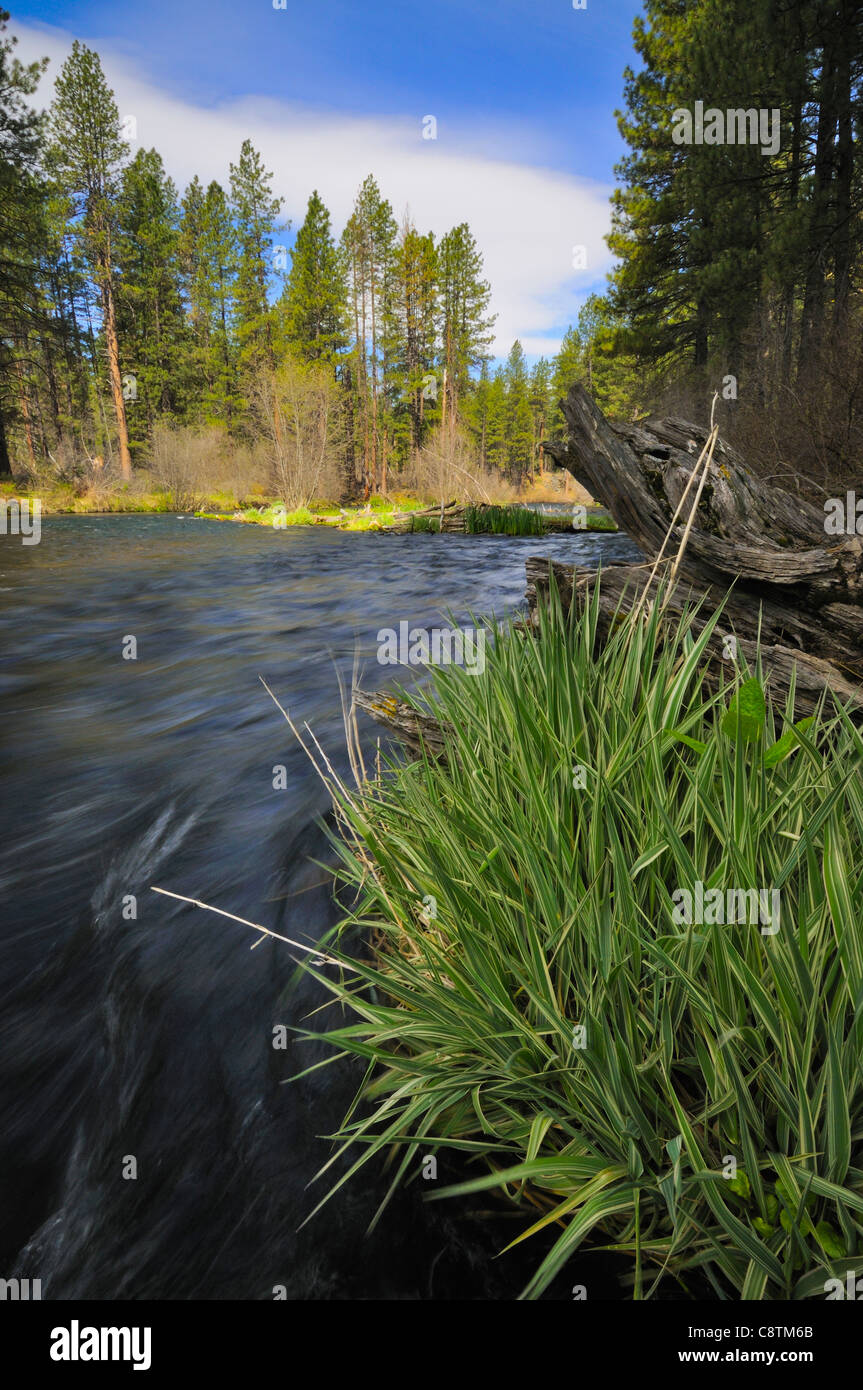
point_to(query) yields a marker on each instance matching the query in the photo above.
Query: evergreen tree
(87, 155)
(414, 311)
(732, 250)
(150, 319)
(519, 417)
(465, 323)
(369, 244)
(209, 255)
(314, 301)
(101, 263)
(189, 256)
(566, 371)
(20, 130)
(255, 214)
(540, 404)
(496, 424)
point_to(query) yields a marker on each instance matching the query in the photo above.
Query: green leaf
(829, 1239)
(788, 743)
(746, 713)
(693, 743)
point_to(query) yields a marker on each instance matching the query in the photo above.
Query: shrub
(503, 521)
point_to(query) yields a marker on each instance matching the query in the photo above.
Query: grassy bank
(415, 517)
(401, 512)
(689, 1094)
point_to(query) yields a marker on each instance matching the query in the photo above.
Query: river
(149, 1146)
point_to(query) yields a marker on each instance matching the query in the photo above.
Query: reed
(690, 1095)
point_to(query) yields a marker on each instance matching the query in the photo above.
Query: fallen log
(416, 730)
(619, 585)
(746, 533)
(752, 547)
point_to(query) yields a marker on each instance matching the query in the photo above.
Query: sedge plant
(687, 1094)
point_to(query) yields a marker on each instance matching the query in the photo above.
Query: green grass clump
(274, 514)
(520, 892)
(502, 521)
(425, 524)
(600, 521)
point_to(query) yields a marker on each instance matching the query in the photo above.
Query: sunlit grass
(503, 521)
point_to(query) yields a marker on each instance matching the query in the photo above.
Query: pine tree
(255, 212)
(209, 254)
(496, 424)
(313, 306)
(62, 286)
(369, 244)
(519, 418)
(566, 371)
(189, 256)
(150, 321)
(733, 251)
(465, 323)
(413, 332)
(540, 404)
(87, 155)
(20, 131)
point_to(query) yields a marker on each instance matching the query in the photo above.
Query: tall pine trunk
(843, 251)
(113, 350)
(819, 226)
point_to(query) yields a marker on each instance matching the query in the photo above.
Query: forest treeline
(129, 309)
(736, 263)
(142, 326)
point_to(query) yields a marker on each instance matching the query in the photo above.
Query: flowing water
(137, 1031)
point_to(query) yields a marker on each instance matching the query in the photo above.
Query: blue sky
(523, 92)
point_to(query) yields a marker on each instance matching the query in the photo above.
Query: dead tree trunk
(771, 547)
(762, 554)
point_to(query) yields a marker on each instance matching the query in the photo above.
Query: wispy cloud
(527, 219)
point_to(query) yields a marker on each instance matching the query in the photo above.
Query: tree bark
(5, 461)
(113, 350)
(755, 552)
(767, 547)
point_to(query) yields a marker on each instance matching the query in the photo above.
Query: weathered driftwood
(753, 547)
(771, 546)
(620, 585)
(414, 728)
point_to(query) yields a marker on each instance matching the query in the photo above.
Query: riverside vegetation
(175, 335)
(689, 1097)
(686, 1096)
(145, 329)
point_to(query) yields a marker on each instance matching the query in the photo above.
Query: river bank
(399, 515)
(472, 519)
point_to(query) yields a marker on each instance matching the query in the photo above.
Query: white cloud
(527, 219)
